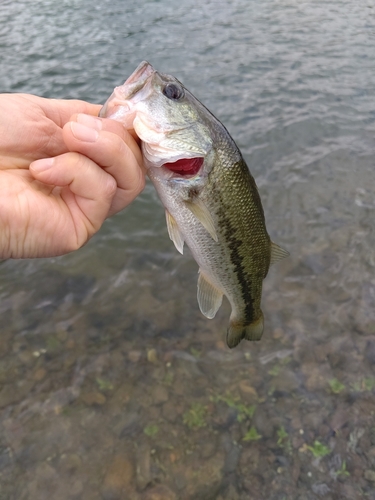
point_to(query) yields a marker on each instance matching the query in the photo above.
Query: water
(112, 385)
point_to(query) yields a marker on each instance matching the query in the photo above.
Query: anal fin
(209, 296)
(174, 232)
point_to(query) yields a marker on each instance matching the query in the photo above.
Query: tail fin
(238, 331)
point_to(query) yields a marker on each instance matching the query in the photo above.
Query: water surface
(112, 384)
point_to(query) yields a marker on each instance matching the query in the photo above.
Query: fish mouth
(140, 74)
(185, 167)
(121, 105)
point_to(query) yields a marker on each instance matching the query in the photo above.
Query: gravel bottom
(87, 418)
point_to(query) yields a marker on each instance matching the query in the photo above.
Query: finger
(66, 109)
(113, 126)
(60, 110)
(109, 145)
(87, 190)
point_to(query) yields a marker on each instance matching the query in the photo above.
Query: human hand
(62, 172)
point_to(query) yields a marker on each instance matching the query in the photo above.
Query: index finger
(60, 110)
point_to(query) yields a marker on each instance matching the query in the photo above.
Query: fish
(211, 199)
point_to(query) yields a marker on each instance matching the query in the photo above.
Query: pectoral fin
(174, 232)
(209, 296)
(201, 212)
(277, 253)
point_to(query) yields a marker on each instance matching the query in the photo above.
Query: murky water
(112, 384)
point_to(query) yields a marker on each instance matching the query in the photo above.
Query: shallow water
(112, 384)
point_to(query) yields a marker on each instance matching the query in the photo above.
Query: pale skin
(63, 171)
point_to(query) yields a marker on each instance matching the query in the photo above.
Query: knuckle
(109, 187)
(120, 150)
(113, 143)
(141, 182)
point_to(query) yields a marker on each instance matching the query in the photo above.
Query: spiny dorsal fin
(201, 212)
(209, 296)
(277, 253)
(174, 232)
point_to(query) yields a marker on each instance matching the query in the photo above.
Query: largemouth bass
(211, 200)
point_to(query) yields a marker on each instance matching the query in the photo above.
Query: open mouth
(186, 167)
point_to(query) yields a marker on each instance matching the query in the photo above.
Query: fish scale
(216, 210)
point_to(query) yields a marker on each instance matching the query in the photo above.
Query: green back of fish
(240, 223)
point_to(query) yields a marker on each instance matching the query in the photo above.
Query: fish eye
(173, 91)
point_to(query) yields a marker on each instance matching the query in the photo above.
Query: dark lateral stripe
(234, 245)
(239, 209)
